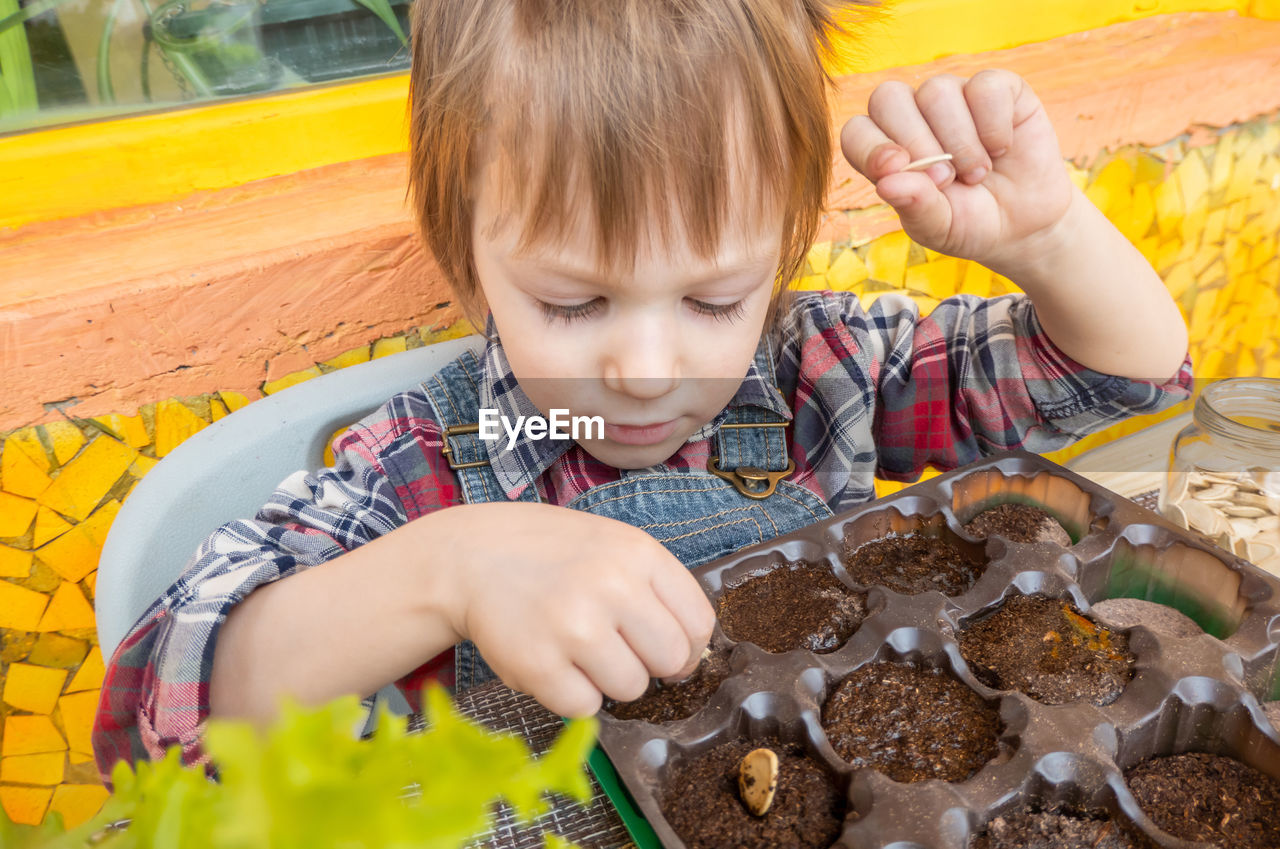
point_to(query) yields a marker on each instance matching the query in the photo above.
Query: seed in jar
(1242, 512)
(1204, 518)
(1219, 491)
(1250, 499)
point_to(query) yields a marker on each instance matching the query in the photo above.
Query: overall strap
(454, 395)
(751, 442)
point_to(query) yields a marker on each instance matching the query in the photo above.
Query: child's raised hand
(567, 606)
(1006, 184)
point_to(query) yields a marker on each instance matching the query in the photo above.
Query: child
(624, 188)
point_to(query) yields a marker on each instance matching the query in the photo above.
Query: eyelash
(568, 313)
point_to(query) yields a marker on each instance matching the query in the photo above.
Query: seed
(1244, 512)
(758, 780)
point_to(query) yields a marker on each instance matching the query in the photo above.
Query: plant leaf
(382, 8)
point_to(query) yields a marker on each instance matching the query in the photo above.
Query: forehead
(547, 201)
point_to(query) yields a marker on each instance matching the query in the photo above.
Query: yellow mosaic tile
(68, 610)
(810, 283)
(82, 483)
(90, 674)
(131, 430)
(174, 424)
(14, 562)
(33, 688)
(274, 386)
(847, 271)
(77, 802)
(820, 258)
(25, 805)
(46, 769)
(217, 410)
(233, 400)
(349, 358)
(887, 258)
(30, 735)
(72, 555)
(20, 608)
(78, 710)
(57, 650)
(49, 525)
(16, 514)
(65, 438)
(24, 468)
(141, 465)
(387, 347)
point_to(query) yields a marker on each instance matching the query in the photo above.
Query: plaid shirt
(883, 392)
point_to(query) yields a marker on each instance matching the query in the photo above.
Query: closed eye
(569, 313)
(720, 312)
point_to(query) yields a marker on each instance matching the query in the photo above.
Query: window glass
(72, 60)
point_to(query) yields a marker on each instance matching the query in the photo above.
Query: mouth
(646, 434)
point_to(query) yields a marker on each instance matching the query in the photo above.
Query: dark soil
(911, 723)
(1019, 523)
(670, 702)
(800, 605)
(1059, 829)
(1209, 798)
(913, 564)
(702, 804)
(1047, 649)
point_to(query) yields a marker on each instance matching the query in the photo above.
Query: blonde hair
(622, 109)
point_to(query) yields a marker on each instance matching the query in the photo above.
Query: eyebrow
(730, 269)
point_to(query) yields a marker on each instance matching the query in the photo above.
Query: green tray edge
(638, 827)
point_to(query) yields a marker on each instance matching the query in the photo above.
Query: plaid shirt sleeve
(979, 375)
(388, 470)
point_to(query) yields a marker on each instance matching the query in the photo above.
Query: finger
(567, 691)
(655, 637)
(892, 106)
(613, 668)
(922, 207)
(991, 96)
(942, 103)
(871, 153)
(681, 594)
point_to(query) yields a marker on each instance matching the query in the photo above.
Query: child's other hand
(1006, 184)
(567, 606)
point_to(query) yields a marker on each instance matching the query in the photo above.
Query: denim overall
(698, 515)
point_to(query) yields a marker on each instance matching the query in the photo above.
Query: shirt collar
(520, 466)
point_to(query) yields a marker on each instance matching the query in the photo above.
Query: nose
(643, 361)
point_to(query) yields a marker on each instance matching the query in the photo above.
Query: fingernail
(940, 173)
(881, 155)
(977, 175)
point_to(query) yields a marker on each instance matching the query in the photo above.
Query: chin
(632, 456)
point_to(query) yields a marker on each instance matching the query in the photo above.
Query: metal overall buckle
(752, 481)
(447, 449)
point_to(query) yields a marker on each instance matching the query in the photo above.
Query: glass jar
(1224, 470)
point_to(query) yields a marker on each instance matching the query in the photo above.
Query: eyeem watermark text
(561, 425)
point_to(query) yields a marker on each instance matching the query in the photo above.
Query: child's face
(656, 350)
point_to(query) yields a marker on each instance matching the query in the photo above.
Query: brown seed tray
(1191, 693)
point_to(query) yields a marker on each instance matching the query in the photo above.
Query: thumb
(922, 207)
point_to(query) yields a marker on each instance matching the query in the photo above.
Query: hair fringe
(621, 109)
